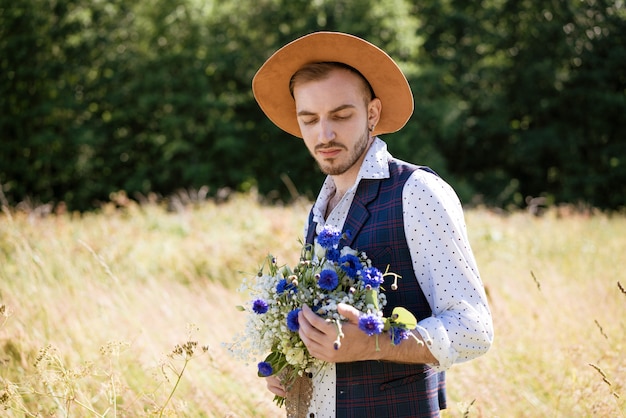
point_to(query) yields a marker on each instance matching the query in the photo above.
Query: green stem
(180, 375)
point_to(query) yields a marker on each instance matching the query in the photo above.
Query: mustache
(332, 144)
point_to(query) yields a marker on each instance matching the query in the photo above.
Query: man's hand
(319, 336)
(274, 386)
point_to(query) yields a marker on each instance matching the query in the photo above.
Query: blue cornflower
(280, 286)
(329, 236)
(284, 286)
(259, 306)
(265, 369)
(371, 324)
(292, 320)
(333, 254)
(373, 277)
(398, 334)
(350, 264)
(328, 279)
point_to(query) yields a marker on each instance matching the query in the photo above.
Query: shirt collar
(375, 166)
(376, 163)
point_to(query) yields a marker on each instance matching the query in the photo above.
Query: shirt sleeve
(460, 327)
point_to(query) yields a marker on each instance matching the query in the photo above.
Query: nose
(326, 132)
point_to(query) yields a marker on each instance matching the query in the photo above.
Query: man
(338, 92)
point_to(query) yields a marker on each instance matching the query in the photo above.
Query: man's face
(334, 116)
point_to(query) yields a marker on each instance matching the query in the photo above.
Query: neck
(332, 202)
(345, 180)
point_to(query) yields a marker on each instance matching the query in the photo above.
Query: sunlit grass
(557, 308)
(113, 296)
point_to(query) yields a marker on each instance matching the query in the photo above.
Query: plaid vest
(385, 389)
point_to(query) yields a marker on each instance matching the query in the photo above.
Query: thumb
(349, 312)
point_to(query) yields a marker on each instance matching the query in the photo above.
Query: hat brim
(271, 83)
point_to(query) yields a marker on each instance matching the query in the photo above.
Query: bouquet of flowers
(325, 276)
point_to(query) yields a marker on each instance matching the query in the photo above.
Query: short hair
(320, 70)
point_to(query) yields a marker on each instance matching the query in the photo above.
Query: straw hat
(271, 83)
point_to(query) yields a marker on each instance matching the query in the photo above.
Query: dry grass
(119, 295)
(559, 317)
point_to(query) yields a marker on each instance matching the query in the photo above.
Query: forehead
(338, 87)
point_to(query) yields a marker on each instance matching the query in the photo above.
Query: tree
(513, 98)
(512, 82)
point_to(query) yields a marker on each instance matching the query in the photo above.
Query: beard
(335, 168)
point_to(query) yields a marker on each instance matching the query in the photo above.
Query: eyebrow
(335, 110)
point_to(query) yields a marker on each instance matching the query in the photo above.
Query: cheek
(306, 130)
(307, 141)
(310, 134)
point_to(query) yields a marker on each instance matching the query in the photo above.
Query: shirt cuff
(436, 338)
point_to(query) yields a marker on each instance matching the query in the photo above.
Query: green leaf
(278, 362)
(386, 324)
(371, 297)
(404, 317)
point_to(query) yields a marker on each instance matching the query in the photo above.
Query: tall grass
(123, 313)
(554, 287)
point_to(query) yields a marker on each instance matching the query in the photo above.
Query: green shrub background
(513, 98)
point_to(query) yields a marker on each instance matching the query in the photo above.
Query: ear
(374, 108)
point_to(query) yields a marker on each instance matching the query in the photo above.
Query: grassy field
(123, 313)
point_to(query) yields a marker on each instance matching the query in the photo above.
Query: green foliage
(513, 98)
(527, 98)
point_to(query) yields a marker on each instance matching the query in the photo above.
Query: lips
(330, 150)
(329, 153)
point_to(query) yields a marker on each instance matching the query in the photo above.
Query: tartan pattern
(384, 389)
(379, 389)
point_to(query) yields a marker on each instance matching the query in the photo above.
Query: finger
(316, 333)
(314, 319)
(274, 386)
(349, 312)
(309, 333)
(311, 324)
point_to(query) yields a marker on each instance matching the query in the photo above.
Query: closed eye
(309, 121)
(341, 113)
(342, 117)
